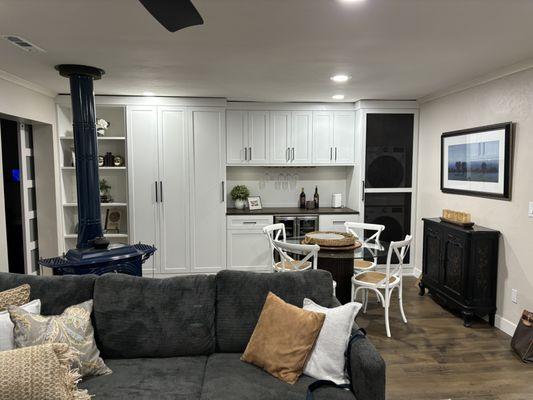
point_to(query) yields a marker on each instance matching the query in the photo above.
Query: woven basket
(347, 239)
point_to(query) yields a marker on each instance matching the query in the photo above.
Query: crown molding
(498, 74)
(27, 84)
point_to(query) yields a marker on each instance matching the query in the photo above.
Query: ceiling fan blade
(173, 14)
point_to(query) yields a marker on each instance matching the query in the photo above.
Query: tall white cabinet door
(208, 223)
(280, 133)
(258, 137)
(237, 137)
(143, 180)
(173, 191)
(344, 137)
(322, 137)
(301, 138)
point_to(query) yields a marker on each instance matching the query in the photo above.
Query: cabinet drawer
(336, 222)
(249, 222)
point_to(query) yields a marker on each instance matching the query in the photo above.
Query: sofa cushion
(241, 295)
(228, 378)
(144, 317)
(55, 292)
(178, 378)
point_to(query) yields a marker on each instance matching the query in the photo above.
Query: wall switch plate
(530, 211)
(514, 296)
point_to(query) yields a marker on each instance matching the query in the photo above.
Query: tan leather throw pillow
(283, 339)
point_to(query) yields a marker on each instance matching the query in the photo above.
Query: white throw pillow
(7, 342)
(327, 358)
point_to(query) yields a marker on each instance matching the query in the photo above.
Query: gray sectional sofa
(181, 338)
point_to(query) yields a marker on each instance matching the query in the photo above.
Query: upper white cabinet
(301, 138)
(247, 137)
(333, 137)
(290, 137)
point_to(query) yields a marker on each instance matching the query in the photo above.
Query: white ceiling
(271, 50)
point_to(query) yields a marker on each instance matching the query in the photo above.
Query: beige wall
(502, 100)
(39, 109)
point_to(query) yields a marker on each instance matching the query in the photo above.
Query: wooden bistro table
(340, 263)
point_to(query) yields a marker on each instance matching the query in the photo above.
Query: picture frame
(254, 203)
(113, 217)
(478, 161)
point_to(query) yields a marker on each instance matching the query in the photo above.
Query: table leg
(342, 271)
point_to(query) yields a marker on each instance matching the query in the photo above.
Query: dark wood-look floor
(434, 357)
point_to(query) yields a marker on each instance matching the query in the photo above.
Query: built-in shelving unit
(115, 142)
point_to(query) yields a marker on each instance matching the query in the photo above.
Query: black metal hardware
(222, 192)
(288, 154)
(293, 154)
(161, 191)
(246, 154)
(335, 153)
(363, 191)
(156, 192)
(249, 222)
(250, 153)
(330, 153)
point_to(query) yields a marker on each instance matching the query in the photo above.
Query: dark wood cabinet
(460, 267)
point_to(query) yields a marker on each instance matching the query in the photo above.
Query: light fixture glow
(351, 1)
(148, 94)
(340, 78)
(338, 97)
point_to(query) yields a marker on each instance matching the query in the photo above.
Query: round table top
(366, 251)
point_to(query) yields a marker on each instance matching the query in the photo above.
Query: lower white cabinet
(247, 246)
(336, 222)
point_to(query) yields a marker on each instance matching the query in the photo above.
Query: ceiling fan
(173, 14)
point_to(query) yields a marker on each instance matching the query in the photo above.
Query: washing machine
(386, 167)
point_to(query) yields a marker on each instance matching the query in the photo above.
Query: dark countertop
(292, 211)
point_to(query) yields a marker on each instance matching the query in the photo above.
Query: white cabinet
(247, 137)
(247, 245)
(177, 186)
(336, 222)
(208, 222)
(333, 137)
(290, 137)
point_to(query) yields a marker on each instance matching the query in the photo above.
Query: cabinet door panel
(208, 227)
(258, 137)
(432, 254)
(143, 175)
(344, 137)
(237, 136)
(280, 131)
(322, 137)
(248, 250)
(453, 267)
(174, 177)
(301, 137)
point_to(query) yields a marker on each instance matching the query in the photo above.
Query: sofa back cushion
(241, 295)
(55, 292)
(144, 317)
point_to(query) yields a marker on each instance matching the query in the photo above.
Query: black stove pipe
(86, 150)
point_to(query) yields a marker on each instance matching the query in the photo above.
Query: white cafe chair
(386, 281)
(354, 228)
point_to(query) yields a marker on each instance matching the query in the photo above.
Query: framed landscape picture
(478, 161)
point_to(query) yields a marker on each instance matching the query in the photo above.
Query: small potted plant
(239, 194)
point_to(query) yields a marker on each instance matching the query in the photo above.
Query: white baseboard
(417, 272)
(504, 325)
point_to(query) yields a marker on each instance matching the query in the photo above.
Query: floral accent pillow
(15, 297)
(73, 327)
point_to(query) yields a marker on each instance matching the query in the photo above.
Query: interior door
(258, 137)
(344, 137)
(143, 180)
(322, 137)
(280, 130)
(237, 137)
(173, 187)
(301, 137)
(208, 224)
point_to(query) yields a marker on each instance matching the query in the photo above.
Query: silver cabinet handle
(246, 154)
(288, 154)
(335, 153)
(293, 154)
(330, 153)
(156, 195)
(222, 192)
(161, 191)
(339, 222)
(250, 153)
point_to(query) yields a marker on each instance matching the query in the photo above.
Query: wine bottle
(302, 199)
(316, 197)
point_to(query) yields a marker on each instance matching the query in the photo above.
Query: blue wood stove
(93, 253)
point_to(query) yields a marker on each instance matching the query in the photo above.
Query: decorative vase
(239, 204)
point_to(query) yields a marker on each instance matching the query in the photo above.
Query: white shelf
(107, 235)
(102, 204)
(99, 138)
(100, 168)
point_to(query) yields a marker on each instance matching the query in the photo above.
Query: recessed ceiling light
(340, 78)
(148, 94)
(351, 1)
(338, 97)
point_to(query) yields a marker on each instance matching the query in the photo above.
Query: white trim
(121, 101)
(288, 106)
(504, 325)
(498, 74)
(363, 104)
(417, 272)
(27, 84)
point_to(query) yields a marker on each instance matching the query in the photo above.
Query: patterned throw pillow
(38, 373)
(15, 297)
(73, 327)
